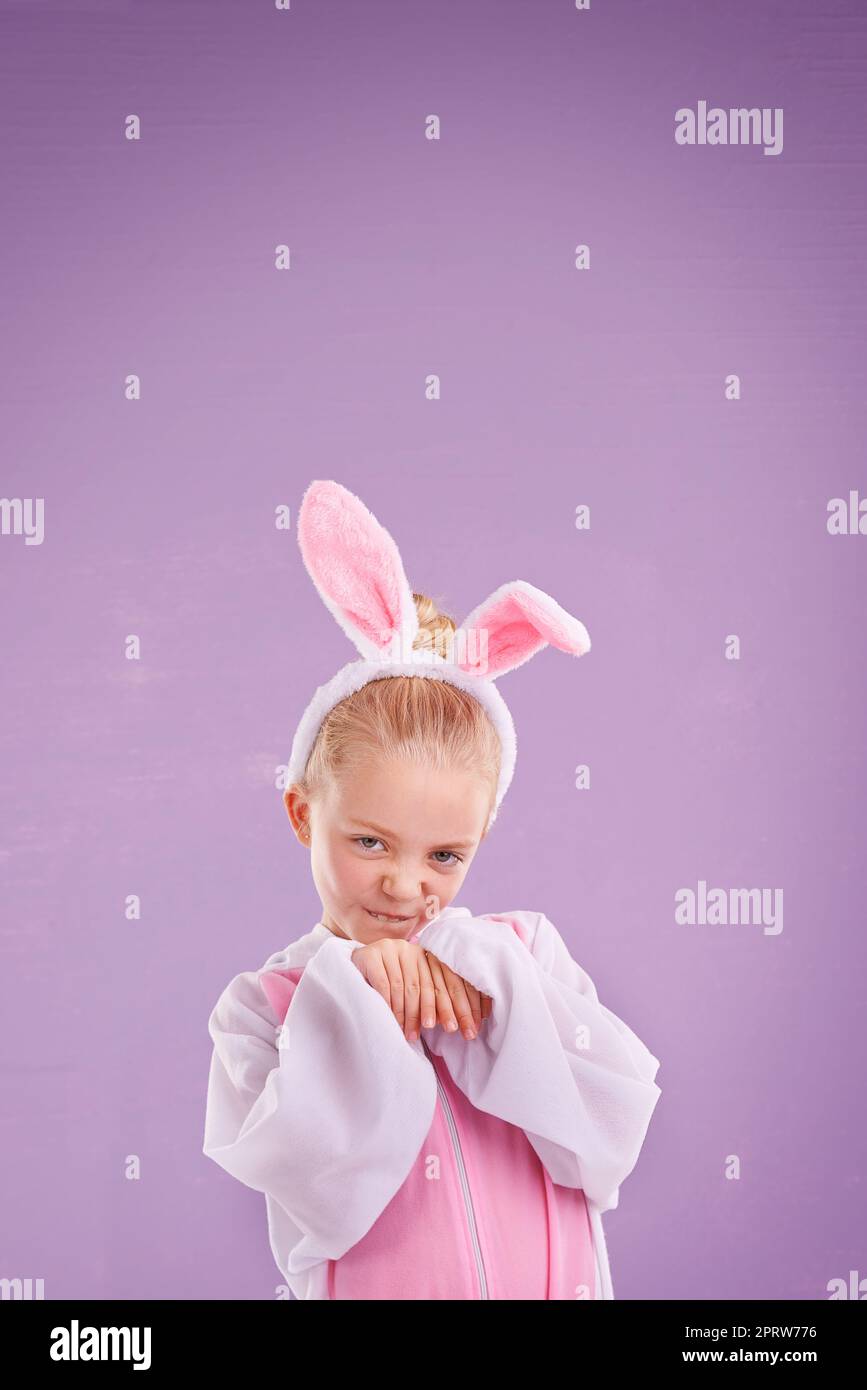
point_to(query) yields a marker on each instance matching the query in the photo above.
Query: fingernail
(469, 1032)
(428, 1023)
(413, 1035)
(451, 1025)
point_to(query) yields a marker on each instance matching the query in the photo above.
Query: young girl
(435, 1104)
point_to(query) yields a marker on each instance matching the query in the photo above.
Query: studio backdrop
(566, 293)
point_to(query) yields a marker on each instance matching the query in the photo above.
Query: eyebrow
(389, 835)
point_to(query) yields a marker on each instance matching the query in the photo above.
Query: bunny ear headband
(356, 567)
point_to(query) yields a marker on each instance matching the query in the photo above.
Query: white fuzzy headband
(357, 570)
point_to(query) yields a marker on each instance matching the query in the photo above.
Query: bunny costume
(442, 1168)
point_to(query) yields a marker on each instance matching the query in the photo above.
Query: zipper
(468, 1198)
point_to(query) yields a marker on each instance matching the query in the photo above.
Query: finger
(475, 1004)
(391, 962)
(445, 1012)
(460, 1003)
(427, 993)
(374, 972)
(409, 970)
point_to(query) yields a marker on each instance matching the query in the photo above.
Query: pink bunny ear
(511, 626)
(357, 569)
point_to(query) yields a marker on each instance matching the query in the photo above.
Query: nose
(402, 886)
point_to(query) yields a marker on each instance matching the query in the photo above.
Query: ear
(515, 622)
(357, 569)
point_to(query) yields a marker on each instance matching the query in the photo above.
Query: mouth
(389, 920)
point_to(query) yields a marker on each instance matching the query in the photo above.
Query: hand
(418, 988)
(459, 1004)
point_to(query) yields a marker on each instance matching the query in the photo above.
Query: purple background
(559, 388)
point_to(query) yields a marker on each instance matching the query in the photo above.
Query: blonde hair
(412, 718)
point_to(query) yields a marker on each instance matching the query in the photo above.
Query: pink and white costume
(444, 1168)
(440, 1169)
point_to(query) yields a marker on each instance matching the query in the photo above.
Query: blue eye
(359, 838)
(450, 859)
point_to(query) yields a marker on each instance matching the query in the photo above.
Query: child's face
(393, 838)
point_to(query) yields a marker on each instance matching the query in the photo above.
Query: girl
(435, 1104)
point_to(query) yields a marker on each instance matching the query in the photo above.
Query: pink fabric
(354, 563)
(520, 929)
(534, 1236)
(408, 1166)
(279, 987)
(519, 620)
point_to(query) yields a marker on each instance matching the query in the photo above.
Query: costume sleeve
(550, 1058)
(326, 1114)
